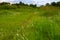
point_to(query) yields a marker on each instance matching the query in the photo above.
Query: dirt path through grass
(24, 26)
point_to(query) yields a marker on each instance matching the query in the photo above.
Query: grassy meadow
(27, 23)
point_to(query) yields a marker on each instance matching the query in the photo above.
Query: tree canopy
(17, 5)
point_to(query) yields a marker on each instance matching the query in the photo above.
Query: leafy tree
(53, 3)
(33, 5)
(4, 3)
(47, 4)
(58, 3)
(21, 3)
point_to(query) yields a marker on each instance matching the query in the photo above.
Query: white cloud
(39, 2)
(7, 1)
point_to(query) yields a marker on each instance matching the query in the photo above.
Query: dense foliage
(6, 5)
(57, 4)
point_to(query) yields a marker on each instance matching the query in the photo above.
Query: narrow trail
(24, 25)
(26, 21)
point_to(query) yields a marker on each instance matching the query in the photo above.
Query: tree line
(53, 4)
(7, 5)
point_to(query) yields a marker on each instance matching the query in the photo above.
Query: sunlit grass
(30, 24)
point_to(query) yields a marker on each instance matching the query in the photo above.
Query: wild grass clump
(48, 14)
(5, 13)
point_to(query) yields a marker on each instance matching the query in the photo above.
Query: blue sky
(38, 2)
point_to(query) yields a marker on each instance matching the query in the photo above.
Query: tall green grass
(28, 23)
